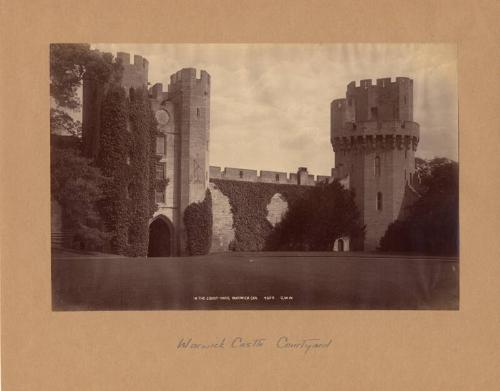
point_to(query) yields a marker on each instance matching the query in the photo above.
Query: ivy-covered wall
(198, 221)
(142, 170)
(249, 206)
(126, 157)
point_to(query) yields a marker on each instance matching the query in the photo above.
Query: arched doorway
(160, 238)
(340, 245)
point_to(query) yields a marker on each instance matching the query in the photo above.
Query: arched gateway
(160, 237)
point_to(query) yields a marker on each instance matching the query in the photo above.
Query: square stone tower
(374, 139)
(183, 117)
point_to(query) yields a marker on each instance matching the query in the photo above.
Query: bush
(198, 221)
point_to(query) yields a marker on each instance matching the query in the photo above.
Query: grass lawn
(254, 281)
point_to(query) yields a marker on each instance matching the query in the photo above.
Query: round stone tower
(374, 139)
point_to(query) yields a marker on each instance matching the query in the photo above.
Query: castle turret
(374, 139)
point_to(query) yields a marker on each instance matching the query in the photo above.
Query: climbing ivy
(127, 156)
(198, 221)
(115, 142)
(249, 202)
(142, 167)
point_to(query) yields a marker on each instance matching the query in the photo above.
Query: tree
(313, 222)
(69, 63)
(431, 225)
(76, 182)
(76, 186)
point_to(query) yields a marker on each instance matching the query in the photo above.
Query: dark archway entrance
(340, 245)
(160, 239)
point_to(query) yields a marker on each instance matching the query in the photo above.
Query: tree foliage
(76, 185)
(431, 226)
(198, 221)
(313, 222)
(69, 64)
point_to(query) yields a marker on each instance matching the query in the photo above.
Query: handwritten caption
(283, 342)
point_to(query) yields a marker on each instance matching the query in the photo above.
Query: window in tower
(160, 145)
(160, 171)
(374, 112)
(379, 201)
(159, 196)
(377, 166)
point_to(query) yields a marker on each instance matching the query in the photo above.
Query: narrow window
(241, 174)
(160, 171)
(404, 99)
(159, 196)
(198, 112)
(277, 177)
(379, 201)
(406, 153)
(377, 166)
(354, 126)
(160, 145)
(374, 112)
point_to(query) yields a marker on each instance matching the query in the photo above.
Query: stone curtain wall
(244, 213)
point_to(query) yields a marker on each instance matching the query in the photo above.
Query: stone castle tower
(183, 116)
(374, 139)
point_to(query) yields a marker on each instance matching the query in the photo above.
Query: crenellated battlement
(384, 82)
(135, 75)
(301, 177)
(188, 78)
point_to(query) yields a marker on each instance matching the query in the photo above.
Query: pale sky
(270, 104)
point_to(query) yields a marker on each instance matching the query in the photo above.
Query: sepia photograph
(254, 177)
